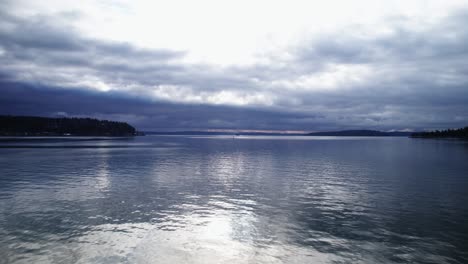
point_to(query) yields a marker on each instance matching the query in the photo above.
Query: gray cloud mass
(406, 78)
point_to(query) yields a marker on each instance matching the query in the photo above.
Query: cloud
(410, 75)
(25, 99)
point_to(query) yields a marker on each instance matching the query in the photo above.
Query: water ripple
(219, 200)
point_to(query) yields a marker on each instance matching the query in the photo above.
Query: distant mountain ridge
(45, 126)
(361, 133)
(354, 133)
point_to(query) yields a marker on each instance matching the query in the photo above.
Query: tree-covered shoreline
(46, 126)
(449, 133)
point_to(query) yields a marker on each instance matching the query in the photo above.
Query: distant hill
(355, 133)
(187, 133)
(216, 133)
(45, 126)
(449, 133)
(361, 133)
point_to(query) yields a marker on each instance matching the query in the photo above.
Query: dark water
(159, 199)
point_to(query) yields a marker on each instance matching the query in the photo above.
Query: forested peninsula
(449, 133)
(45, 126)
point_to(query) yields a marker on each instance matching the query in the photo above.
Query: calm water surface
(163, 199)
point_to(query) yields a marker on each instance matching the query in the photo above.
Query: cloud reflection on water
(219, 200)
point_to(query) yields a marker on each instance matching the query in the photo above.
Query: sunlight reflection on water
(224, 200)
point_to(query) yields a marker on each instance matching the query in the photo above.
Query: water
(163, 199)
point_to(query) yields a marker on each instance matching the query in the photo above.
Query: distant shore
(461, 133)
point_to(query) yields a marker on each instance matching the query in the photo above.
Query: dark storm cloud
(25, 99)
(405, 78)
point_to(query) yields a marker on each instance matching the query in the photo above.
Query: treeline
(44, 126)
(449, 133)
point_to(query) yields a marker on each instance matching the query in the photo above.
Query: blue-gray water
(163, 199)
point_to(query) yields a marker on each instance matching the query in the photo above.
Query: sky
(259, 65)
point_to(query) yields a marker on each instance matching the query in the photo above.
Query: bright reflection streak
(220, 237)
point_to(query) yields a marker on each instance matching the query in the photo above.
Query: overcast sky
(269, 65)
